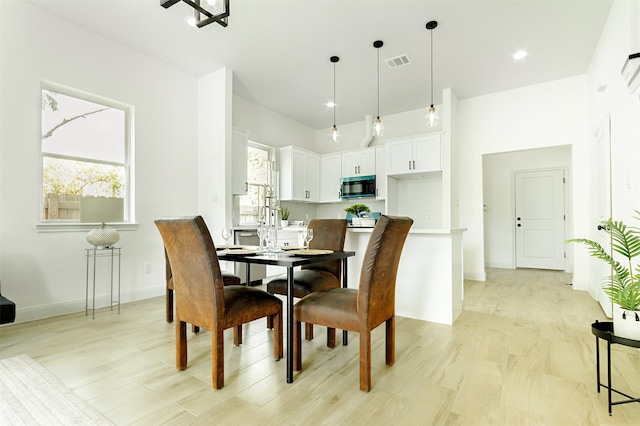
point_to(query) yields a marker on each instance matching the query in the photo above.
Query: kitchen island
(430, 280)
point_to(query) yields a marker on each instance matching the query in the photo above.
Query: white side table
(93, 253)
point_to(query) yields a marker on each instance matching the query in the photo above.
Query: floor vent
(398, 61)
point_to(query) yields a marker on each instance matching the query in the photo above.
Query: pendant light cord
(334, 94)
(378, 49)
(431, 31)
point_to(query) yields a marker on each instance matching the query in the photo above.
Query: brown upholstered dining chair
(227, 277)
(328, 234)
(202, 298)
(363, 309)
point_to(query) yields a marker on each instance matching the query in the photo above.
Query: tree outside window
(84, 152)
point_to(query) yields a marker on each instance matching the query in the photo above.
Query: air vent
(398, 61)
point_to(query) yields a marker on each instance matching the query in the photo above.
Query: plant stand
(604, 330)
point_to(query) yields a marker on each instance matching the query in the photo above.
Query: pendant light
(334, 135)
(377, 124)
(433, 114)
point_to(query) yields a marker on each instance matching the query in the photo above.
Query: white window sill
(81, 227)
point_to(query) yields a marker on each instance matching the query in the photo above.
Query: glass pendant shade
(334, 135)
(433, 116)
(377, 126)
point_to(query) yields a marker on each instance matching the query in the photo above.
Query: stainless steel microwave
(358, 187)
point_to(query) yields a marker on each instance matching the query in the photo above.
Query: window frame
(48, 225)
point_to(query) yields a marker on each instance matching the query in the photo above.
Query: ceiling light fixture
(335, 136)
(433, 114)
(520, 54)
(204, 14)
(377, 123)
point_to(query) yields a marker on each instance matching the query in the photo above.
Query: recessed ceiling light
(520, 54)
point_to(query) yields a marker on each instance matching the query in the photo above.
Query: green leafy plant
(623, 287)
(284, 213)
(357, 208)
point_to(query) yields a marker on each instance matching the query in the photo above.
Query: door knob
(518, 218)
(519, 225)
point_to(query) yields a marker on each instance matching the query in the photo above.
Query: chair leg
(365, 360)
(169, 305)
(331, 337)
(269, 322)
(297, 346)
(308, 331)
(390, 351)
(181, 345)
(217, 359)
(237, 335)
(278, 348)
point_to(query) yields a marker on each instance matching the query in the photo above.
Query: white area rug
(31, 395)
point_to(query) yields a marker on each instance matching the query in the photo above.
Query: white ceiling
(279, 50)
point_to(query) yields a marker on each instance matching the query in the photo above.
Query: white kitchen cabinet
(359, 163)
(330, 174)
(240, 141)
(299, 175)
(418, 154)
(381, 174)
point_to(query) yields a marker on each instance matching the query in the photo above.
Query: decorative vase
(350, 217)
(626, 323)
(284, 223)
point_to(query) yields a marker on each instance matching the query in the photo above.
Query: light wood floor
(521, 353)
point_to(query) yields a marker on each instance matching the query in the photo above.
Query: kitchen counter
(429, 285)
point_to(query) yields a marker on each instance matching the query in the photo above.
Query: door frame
(568, 262)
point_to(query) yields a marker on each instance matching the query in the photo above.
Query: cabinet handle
(414, 164)
(246, 187)
(409, 164)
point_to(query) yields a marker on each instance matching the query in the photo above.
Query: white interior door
(603, 209)
(539, 209)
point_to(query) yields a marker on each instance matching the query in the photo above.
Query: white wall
(608, 95)
(497, 179)
(44, 273)
(542, 115)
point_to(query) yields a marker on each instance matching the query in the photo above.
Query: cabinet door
(239, 162)
(381, 174)
(399, 156)
(299, 190)
(426, 153)
(350, 163)
(330, 174)
(312, 177)
(367, 162)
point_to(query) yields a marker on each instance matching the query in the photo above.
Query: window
(85, 151)
(258, 177)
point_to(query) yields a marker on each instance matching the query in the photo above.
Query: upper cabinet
(416, 154)
(240, 141)
(330, 174)
(359, 163)
(299, 175)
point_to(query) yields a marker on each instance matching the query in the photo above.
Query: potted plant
(284, 216)
(623, 287)
(356, 211)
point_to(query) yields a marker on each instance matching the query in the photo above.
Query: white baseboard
(73, 306)
(475, 276)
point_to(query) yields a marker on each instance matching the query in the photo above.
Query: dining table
(289, 259)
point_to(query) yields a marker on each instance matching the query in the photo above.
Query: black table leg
(248, 274)
(609, 372)
(289, 325)
(345, 334)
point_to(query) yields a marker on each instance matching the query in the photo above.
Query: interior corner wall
(270, 128)
(542, 115)
(215, 200)
(44, 272)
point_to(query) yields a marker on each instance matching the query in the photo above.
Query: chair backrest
(377, 287)
(197, 280)
(328, 234)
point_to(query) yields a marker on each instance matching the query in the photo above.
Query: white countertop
(413, 230)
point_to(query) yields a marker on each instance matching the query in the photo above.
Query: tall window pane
(84, 152)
